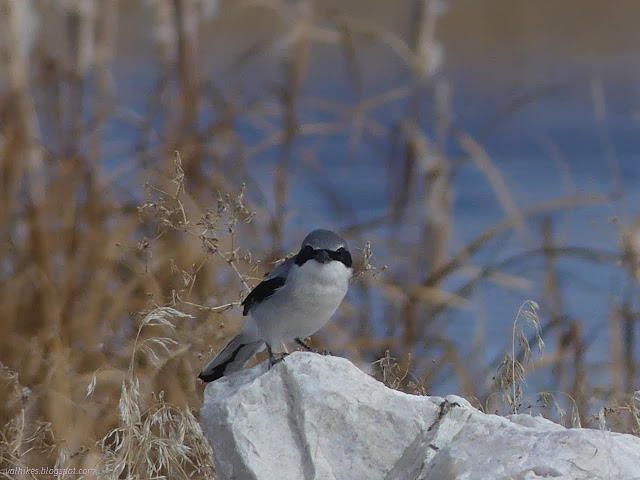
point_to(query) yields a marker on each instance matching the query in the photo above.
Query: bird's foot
(304, 345)
(276, 358)
(308, 348)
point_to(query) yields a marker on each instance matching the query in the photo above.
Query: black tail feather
(232, 357)
(218, 372)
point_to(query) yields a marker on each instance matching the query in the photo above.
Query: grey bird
(293, 302)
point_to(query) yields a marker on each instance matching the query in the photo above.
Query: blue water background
(562, 114)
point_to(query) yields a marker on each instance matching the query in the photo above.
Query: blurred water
(496, 54)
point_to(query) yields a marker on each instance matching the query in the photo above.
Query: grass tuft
(511, 372)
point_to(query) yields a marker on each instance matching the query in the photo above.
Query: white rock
(315, 417)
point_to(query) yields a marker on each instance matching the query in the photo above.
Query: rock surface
(315, 417)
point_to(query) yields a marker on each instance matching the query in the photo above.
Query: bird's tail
(232, 357)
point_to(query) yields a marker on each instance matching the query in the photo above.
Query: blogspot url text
(48, 471)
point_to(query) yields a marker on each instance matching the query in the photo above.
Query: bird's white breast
(310, 296)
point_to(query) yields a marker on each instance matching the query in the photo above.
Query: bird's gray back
(321, 239)
(281, 270)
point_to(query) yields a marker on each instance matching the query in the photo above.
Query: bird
(294, 301)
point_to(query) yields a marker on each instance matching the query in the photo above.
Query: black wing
(264, 290)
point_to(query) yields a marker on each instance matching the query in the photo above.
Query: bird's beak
(323, 257)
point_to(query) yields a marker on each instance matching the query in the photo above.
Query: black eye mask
(308, 253)
(341, 255)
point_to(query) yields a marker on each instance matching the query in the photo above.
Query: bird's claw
(306, 346)
(275, 359)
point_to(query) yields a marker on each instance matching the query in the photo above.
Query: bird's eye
(307, 253)
(344, 257)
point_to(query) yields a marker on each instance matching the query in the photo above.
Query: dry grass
(511, 372)
(94, 231)
(152, 439)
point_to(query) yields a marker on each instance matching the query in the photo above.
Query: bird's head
(324, 246)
